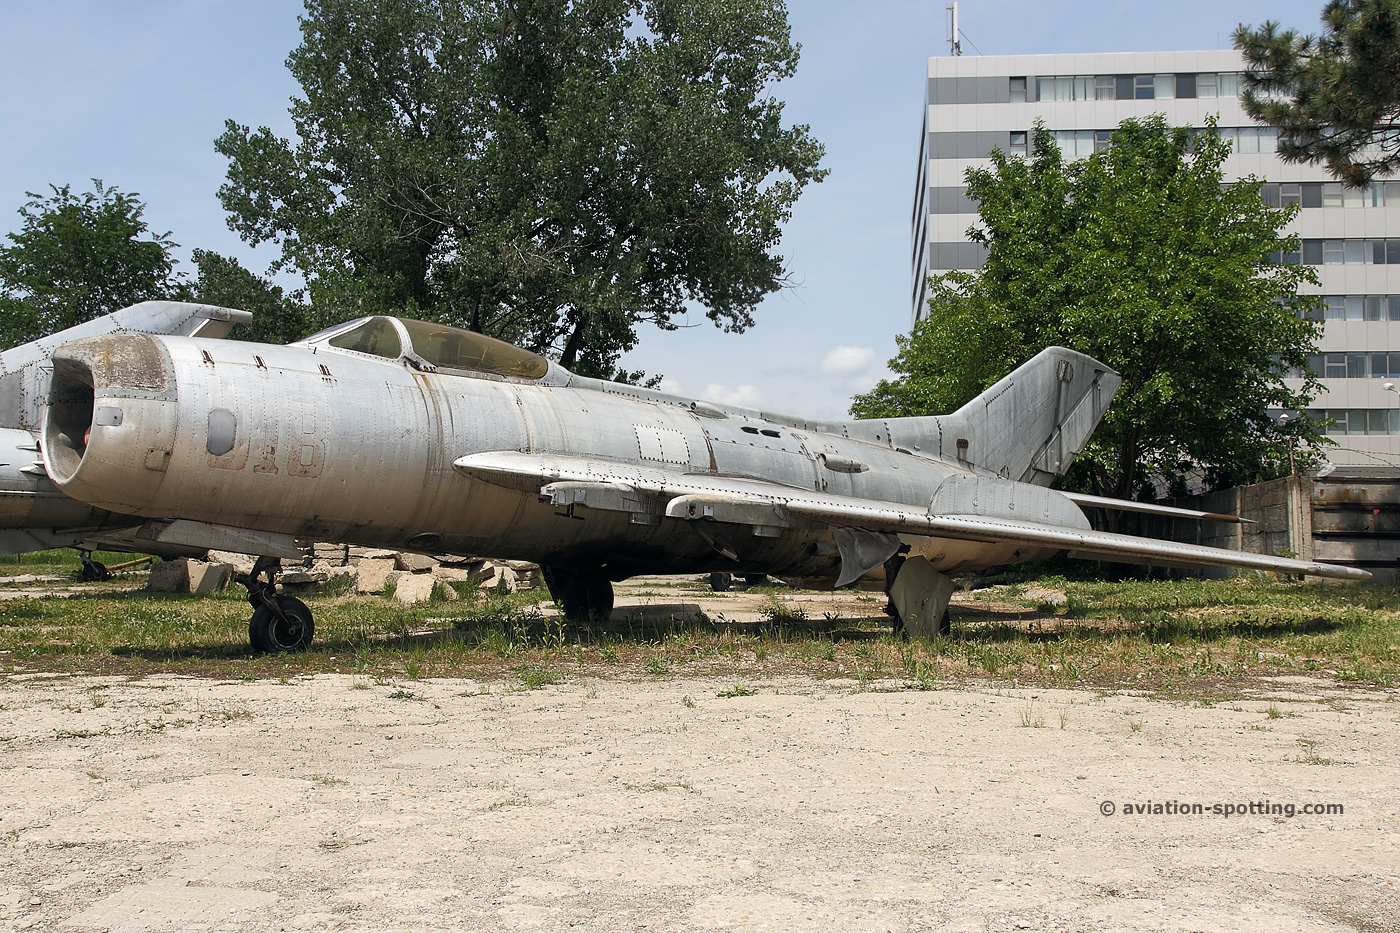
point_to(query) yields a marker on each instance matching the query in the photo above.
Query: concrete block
(414, 588)
(454, 574)
(303, 576)
(372, 573)
(169, 576)
(208, 578)
(414, 563)
(242, 564)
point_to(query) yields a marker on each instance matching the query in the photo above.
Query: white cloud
(745, 396)
(670, 385)
(847, 361)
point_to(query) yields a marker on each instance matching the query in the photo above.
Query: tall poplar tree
(553, 172)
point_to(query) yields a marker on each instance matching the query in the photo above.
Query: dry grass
(1187, 637)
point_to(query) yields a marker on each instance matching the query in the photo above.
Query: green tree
(1335, 98)
(277, 316)
(1143, 257)
(77, 257)
(553, 172)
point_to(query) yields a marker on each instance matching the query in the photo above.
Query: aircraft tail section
(1029, 426)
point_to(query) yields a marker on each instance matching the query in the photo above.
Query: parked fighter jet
(34, 515)
(399, 433)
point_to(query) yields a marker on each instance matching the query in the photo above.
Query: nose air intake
(109, 424)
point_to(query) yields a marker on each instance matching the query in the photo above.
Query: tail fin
(1029, 426)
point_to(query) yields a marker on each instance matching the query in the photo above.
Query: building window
(1351, 252)
(1186, 85)
(1143, 86)
(1361, 308)
(1048, 89)
(1018, 144)
(1359, 420)
(1018, 90)
(1164, 87)
(1076, 143)
(1103, 139)
(1105, 88)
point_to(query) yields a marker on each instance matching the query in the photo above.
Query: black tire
(720, 582)
(581, 596)
(755, 579)
(94, 572)
(270, 634)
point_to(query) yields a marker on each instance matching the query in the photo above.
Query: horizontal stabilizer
(1152, 508)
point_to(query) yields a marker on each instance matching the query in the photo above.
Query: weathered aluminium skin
(410, 435)
(327, 445)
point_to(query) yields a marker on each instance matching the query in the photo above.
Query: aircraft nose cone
(109, 424)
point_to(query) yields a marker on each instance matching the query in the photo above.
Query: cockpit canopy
(438, 345)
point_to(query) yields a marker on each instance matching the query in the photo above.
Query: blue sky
(135, 92)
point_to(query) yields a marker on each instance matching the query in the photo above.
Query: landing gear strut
(581, 596)
(280, 624)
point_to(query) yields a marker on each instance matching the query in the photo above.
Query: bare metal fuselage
(331, 445)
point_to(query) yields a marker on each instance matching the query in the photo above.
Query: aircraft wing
(694, 496)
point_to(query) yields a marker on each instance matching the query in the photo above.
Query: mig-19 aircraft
(398, 433)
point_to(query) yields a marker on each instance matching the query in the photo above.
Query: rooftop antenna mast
(954, 35)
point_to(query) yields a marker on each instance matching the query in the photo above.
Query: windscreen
(377, 337)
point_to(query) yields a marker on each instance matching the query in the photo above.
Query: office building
(978, 103)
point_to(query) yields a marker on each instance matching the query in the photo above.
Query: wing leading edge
(765, 506)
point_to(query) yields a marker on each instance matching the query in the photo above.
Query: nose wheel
(281, 624)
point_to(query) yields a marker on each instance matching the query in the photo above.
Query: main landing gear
(280, 624)
(582, 596)
(918, 595)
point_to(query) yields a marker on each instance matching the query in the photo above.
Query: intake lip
(109, 421)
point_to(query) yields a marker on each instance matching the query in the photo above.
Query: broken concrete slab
(412, 588)
(208, 578)
(413, 563)
(242, 564)
(372, 573)
(169, 576)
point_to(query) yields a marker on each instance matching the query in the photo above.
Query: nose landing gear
(92, 571)
(281, 624)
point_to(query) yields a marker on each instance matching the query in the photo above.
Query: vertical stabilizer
(1028, 427)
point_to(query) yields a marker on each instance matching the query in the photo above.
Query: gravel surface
(331, 802)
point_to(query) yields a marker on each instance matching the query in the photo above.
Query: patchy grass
(1209, 639)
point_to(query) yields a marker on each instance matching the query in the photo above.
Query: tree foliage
(1144, 258)
(1335, 98)
(77, 257)
(553, 172)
